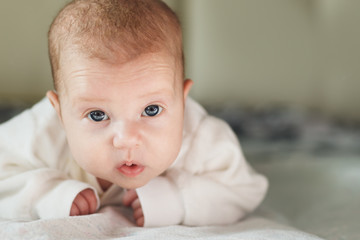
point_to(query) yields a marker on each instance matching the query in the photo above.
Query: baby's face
(124, 122)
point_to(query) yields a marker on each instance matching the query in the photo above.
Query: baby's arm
(33, 158)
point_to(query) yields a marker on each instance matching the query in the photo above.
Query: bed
(313, 167)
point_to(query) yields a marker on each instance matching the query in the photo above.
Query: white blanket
(110, 223)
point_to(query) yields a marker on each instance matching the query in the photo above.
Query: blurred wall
(250, 52)
(302, 53)
(338, 65)
(24, 66)
(299, 53)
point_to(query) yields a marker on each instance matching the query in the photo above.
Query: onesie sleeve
(33, 155)
(211, 179)
(157, 194)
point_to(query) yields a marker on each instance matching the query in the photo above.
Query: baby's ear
(54, 100)
(187, 86)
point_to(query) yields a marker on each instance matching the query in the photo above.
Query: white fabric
(210, 177)
(153, 201)
(111, 224)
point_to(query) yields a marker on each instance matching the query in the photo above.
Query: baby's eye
(151, 111)
(98, 116)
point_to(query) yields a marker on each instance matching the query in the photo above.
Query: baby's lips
(131, 170)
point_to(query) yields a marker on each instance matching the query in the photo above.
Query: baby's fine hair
(115, 31)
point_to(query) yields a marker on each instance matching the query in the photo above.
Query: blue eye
(152, 110)
(97, 116)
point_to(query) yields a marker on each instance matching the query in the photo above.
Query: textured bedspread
(111, 224)
(313, 165)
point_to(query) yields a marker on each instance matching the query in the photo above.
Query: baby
(123, 130)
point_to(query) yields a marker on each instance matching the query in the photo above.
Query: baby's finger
(140, 222)
(138, 213)
(82, 204)
(129, 197)
(136, 204)
(90, 197)
(74, 211)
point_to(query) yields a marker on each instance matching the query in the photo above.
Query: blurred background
(252, 53)
(302, 54)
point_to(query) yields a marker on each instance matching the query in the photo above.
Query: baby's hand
(84, 203)
(131, 199)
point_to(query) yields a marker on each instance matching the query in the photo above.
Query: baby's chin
(131, 183)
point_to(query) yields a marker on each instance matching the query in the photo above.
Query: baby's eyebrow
(84, 99)
(91, 99)
(162, 92)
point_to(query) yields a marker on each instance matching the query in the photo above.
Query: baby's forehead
(144, 63)
(147, 67)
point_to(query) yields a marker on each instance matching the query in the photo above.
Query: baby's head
(114, 31)
(118, 73)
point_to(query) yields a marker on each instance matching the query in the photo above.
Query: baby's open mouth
(131, 170)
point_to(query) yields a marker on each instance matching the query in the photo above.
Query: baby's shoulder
(193, 115)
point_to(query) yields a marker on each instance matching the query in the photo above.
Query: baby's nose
(126, 136)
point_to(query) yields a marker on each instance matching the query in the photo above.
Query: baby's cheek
(169, 151)
(84, 154)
